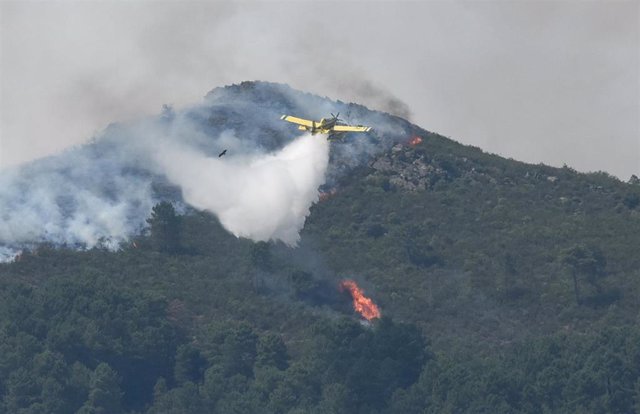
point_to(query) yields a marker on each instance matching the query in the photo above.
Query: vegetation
(504, 288)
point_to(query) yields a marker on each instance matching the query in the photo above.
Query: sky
(554, 82)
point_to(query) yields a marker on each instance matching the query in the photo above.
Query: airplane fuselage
(324, 126)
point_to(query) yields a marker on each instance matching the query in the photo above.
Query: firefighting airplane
(333, 127)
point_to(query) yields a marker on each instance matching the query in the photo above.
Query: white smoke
(258, 196)
(76, 199)
(101, 194)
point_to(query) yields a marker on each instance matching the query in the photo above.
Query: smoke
(128, 53)
(261, 197)
(539, 81)
(100, 194)
(78, 198)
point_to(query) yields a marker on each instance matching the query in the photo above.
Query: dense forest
(504, 287)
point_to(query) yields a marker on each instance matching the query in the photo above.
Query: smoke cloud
(77, 198)
(100, 194)
(553, 82)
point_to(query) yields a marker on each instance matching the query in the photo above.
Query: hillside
(504, 286)
(442, 229)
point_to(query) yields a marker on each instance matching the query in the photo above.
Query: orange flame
(362, 304)
(415, 141)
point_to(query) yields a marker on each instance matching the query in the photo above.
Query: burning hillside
(100, 194)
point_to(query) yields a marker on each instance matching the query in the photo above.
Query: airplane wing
(351, 128)
(299, 121)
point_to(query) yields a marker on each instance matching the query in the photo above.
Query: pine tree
(105, 394)
(165, 228)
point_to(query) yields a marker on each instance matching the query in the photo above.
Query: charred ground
(504, 287)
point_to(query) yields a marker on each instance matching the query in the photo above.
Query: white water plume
(261, 197)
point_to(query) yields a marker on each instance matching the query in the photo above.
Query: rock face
(407, 170)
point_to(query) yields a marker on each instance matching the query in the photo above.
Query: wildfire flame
(362, 304)
(415, 141)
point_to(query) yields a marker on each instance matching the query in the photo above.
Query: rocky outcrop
(407, 170)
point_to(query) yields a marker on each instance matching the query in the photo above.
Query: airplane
(222, 153)
(333, 127)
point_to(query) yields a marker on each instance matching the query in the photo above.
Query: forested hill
(504, 287)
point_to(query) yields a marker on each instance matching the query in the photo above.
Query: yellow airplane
(333, 127)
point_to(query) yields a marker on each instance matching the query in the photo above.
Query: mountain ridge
(503, 286)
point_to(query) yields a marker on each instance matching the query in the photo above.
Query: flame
(362, 304)
(415, 141)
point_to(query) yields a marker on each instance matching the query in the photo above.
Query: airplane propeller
(336, 117)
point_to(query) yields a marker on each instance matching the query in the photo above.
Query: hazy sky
(540, 81)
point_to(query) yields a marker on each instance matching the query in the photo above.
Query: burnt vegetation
(504, 287)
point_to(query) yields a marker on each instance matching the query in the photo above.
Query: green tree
(335, 399)
(261, 256)
(22, 390)
(105, 394)
(586, 263)
(271, 352)
(631, 200)
(303, 284)
(185, 399)
(214, 384)
(165, 228)
(239, 351)
(190, 365)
